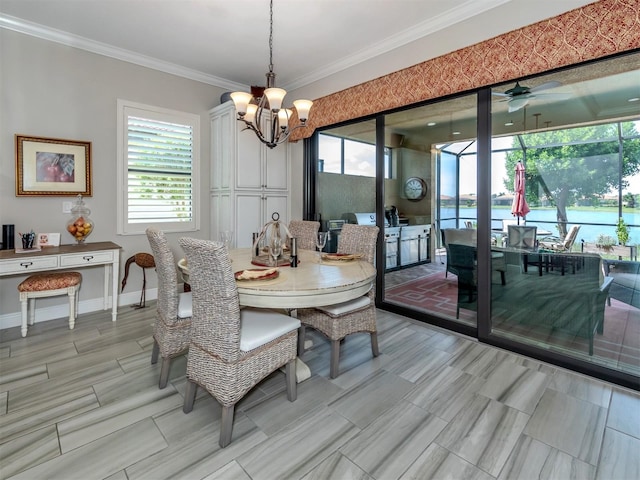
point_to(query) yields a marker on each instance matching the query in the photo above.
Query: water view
(593, 222)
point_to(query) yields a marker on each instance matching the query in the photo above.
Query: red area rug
(434, 293)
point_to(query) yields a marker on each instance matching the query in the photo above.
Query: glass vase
(80, 225)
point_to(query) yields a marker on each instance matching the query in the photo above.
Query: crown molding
(58, 36)
(418, 31)
(435, 24)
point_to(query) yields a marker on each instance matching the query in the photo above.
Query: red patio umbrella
(519, 208)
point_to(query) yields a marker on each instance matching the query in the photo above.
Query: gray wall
(51, 90)
(338, 194)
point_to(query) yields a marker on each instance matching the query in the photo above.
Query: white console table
(69, 257)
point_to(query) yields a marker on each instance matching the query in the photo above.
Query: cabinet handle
(26, 264)
(88, 258)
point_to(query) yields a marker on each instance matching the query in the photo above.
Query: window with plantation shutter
(158, 166)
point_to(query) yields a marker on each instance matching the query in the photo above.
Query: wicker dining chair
(172, 328)
(231, 350)
(305, 231)
(359, 315)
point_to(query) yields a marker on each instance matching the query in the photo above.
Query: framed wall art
(52, 167)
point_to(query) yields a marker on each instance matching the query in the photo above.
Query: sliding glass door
(510, 214)
(571, 291)
(434, 144)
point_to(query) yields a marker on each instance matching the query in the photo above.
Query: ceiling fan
(519, 96)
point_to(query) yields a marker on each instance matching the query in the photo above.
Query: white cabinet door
(276, 168)
(254, 210)
(259, 166)
(221, 214)
(249, 160)
(276, 203)
(223, 148)
(249, 217)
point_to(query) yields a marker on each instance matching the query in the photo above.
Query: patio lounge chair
(557, 244)
(561, 245)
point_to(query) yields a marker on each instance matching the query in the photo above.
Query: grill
(360, 218)
(404, 246)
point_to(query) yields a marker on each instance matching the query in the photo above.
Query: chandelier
(265, 115)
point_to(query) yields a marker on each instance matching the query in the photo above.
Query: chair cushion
(259, 326)
(346, 307)
(50, 281)
(185, 305)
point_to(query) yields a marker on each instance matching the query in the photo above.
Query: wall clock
(415, 188)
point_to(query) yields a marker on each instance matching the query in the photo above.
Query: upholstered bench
(42, 285)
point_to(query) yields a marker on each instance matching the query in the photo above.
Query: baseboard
(10, 320)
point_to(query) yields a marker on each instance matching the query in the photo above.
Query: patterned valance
(596, 30)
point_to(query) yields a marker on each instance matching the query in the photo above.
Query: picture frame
(52, 167)
(48, 239)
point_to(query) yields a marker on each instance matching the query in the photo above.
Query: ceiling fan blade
(500, 94)
(545, 86)
(517, 103)
(555, 96)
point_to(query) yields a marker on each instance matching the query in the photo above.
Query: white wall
(51, 90)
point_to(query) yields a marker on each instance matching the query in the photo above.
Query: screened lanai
(571, 297)
(587, 175)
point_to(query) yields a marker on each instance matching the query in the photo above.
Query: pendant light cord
(271, 37)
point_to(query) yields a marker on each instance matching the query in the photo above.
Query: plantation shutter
(159, 170)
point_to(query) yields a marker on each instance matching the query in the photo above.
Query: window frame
(125, 109)
(389, 156)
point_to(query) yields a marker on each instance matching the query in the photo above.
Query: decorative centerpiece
(270, 246)
(80, 225)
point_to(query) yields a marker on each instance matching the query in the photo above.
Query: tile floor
(84, 404)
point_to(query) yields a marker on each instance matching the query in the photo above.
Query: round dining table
(315, 282)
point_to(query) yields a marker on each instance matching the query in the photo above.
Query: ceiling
(225, 42)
